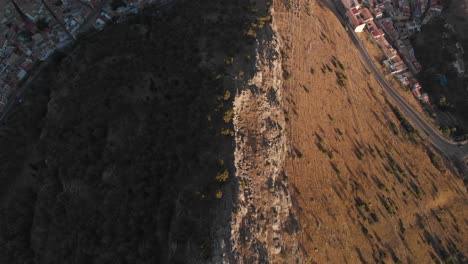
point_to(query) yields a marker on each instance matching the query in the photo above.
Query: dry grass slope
(364, 189)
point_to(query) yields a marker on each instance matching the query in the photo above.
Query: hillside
(122, 151)
(365, 189)
(222, 132)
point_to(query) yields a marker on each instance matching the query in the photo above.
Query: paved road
(458, 152)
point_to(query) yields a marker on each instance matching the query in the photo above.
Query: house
(395, 65)
(437, 9)
(459, 65)
(412, 27)
(37, 38)
(13, 59)
(416, 66)
(99, 23)
(25, 49)
(387, 49)
(45, 53)
(4, 89)
(387, 25)
(4, 93)
(377, 12)
(3, 100)
(406, 78)
(374, 30)
(366, 15)
(424, 98)
(355, 20)
(416, 90)
(21, 74)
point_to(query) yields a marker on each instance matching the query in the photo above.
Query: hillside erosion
(365, 186)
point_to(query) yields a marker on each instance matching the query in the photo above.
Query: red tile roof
(366, 15)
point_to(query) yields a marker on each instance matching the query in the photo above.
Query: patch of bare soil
(364, 189)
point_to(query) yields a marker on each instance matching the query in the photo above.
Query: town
(390, 24)
(30, 31)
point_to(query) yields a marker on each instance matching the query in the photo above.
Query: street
(458, 152)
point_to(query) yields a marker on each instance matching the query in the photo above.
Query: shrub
(219, 194)
(286, 74)
(229, 60)
(341, 79)
(227, 132)
(381, 186)
(251, 33)
(261, 21)
(228, 115)
(222, 176)
(227, 95)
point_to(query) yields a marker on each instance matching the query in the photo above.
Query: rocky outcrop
(263, 227)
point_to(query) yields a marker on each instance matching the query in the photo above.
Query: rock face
(264, 227)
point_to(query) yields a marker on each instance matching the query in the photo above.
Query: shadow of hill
(129, 138)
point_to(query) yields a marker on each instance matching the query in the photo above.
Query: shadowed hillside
(123, 150)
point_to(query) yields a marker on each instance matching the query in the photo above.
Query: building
(437, 9)
(374, 31)
(412, 27)
(387, 49)
(376, 12)
(425, 98)
(348, 4)
(358, 18)
(355, 20)
(387, 25)
(459, 66)
(366, 15)
(395, 65)
(416, 90)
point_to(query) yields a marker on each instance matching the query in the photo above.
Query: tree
(42, 24)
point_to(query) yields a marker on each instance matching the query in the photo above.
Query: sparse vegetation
(222, 177)
(341, 79)
(286, 74)
(228, 115)
(227, 95)
(227, 132)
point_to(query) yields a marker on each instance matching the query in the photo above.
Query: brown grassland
(365, 190)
